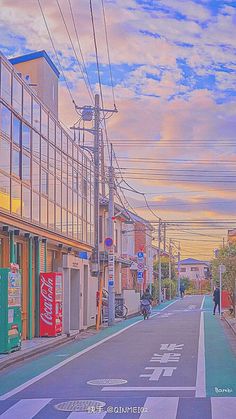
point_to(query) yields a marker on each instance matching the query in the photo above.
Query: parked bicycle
(121, 311)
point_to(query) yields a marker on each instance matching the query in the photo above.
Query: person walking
(216, 299)
(182, 290)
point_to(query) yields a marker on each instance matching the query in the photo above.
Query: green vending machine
(10, 309)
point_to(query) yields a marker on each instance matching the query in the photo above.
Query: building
(194, 269)
(232, 236)
(46, 193)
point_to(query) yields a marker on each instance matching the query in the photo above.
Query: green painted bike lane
(220, 361)
(18, 375)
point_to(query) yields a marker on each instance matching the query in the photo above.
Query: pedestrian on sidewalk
(182, 290)
(216, 299)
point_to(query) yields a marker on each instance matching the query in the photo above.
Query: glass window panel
(51, 158)
(26, 202)
(4, 155)
(58, 192)
(15, 163)
(58, 163)
(75, 203)
(64, 195)
(51, 187)
(70, 171)
(75, 227)
(64, 168)
(35, 176)
(44, 182)
(5, 84)
(84, 231)
(16, 126)
(26, 143)
(69, 147)
(17, 96)
(51, 130)
(36, 115)
(80, 237)
(58, 218)
(70, 199)
(44, 211)
(58, 137)
(35, 207)
(4, 192)
(51, 218)
(75, 180)
(44, 151)
(80, 206)
(15, 197)
(75, 152)
(64, 142)
(25, 173)
(70, 224)
(64, 221)
(5, 120)
(27, 105)
(35, 144)
(44, 123)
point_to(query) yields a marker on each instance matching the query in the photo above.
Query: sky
(173, 68)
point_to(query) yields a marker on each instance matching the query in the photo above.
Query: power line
(74, 50)
(55, 52)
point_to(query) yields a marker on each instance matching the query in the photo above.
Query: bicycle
(121, 311)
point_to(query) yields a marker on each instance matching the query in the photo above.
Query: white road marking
(203, 300)
(148, 388)
(160, 407)
(171, 346)
(86, 415)
(201, 370)
(223, 407)
(165, 358)
(157, 372)
(25, 409)
(71, 358)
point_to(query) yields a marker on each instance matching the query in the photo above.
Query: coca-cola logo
(46, 291)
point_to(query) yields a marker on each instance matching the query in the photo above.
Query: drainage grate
(80, 406)
(107, 382)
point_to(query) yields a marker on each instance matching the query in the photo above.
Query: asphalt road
(161, 363)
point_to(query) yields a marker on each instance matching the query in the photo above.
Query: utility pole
(96, 184)
(170, 256)
(178, 292)
(159, 260)
(111, 289)
(164, 237)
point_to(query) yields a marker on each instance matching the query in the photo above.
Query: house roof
(34, 56)
(191, 261)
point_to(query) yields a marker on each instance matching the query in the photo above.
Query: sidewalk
(231, 321)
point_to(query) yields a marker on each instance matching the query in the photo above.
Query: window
(44, 151)
(44, 211)
(27, 105)
(17, 96)
(44, 182)
(58, 218)
(75, 203)
(35, 176)
(51, 187)
(195, 269)
(5, 120)
(26, 137)
(64, 168)
(64, 222)
(35, 207)
(4, 155)
(58, 164)
(16, 128)
(35, 144)
(75, 227)
(182, 269)
(69, 147)
(51, 158)
(25, 168)
(70, 199)
(44, 123)
(51, 130)
(58, 137)
(58, 192)
(51, 218)
(15, 197)
(5, 84)
(4, 192)
(64, 195)
(15, 163)
(70, 224)
(26, 202)
(36, 115)
(64, 142)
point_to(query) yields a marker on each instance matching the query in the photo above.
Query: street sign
(108, 242)
(222, 268)
(140, 255)
(140, 277)
(141, 266)
(111, 283)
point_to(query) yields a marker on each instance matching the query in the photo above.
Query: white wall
(132, 301)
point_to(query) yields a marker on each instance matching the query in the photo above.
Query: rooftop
(34, 56)
(191, 261)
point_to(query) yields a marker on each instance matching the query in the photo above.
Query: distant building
(194, 269)
(232, 236)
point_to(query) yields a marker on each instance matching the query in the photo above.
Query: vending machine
(10, 309)
(51, 294)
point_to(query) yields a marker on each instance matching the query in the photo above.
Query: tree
(227, 257)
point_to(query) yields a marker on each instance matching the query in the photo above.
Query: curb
(229, 324)
(19, 356)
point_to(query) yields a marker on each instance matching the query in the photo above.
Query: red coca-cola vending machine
(51, 293)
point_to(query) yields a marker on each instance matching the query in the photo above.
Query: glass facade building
(45, 178)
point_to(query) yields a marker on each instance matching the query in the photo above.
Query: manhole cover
(80, 406)
(107, 382)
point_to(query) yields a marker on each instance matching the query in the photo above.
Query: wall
(132, 301)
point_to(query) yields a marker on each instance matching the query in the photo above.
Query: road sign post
(222, 270)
